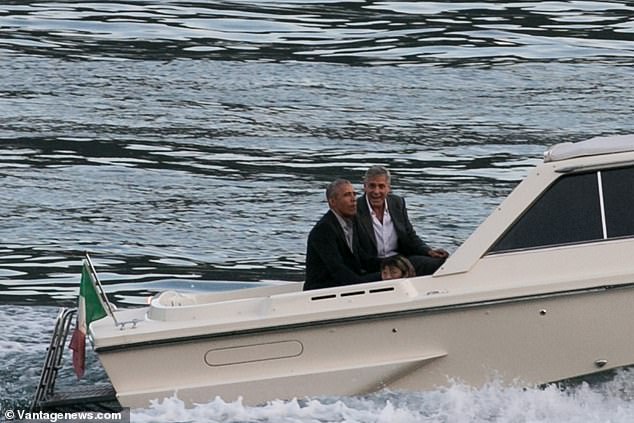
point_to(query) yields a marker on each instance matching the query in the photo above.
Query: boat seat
(176, 299)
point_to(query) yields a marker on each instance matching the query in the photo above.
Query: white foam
(611, 401)
(25, 329)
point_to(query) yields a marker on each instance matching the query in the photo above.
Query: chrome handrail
(54, 355)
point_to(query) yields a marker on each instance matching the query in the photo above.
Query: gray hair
(375, 171)
(333, 187)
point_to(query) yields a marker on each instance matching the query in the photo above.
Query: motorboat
(542, 291)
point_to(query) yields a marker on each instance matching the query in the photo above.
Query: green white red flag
(90, 308)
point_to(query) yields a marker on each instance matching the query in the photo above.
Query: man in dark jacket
(386, 228)
(334, 255)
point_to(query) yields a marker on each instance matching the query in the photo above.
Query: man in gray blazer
(334, 256)
(385, 226)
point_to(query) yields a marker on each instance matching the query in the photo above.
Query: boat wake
(611, 400)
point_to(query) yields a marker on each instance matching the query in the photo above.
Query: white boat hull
(523, 341)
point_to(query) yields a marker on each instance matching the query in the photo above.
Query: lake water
(187, 145)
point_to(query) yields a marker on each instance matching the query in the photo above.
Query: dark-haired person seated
(334, 256)
(396, 267)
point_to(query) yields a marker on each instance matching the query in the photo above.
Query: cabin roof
(592, 147)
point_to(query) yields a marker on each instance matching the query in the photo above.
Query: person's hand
(438, 253)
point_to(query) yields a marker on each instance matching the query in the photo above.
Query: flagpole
(102, 292)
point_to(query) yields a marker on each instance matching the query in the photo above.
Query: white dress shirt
(384, 233)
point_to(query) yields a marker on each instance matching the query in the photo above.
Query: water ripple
(351, 32)
(214, 168)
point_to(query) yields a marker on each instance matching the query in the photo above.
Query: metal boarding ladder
(54, 354)
(100, 396)
(96, 396)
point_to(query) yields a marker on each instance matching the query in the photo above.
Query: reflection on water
(335, 31)
(147, 161)
(191, 141)
(148, 215)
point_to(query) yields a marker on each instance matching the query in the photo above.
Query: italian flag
(90, 308)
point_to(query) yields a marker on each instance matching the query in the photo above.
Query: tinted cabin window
(568, 212)
(618, 198)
